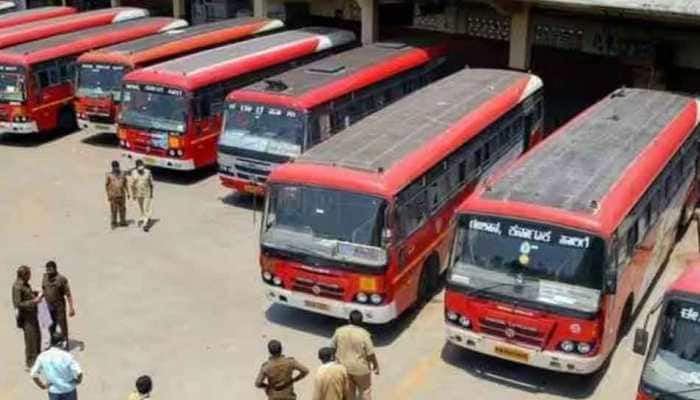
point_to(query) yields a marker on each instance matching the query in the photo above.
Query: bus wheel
(429, 279)
(66, 120)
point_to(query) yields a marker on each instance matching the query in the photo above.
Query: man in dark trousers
(277, 376)
(56, 292)
(117, 190)
(25, 301)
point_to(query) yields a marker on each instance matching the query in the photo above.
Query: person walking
(331, 381)
(25, 301)
(56, 291)
(355, 351)
(116, 186)
(277, 376)
(144, 385)
(62, 374)
(142, 192)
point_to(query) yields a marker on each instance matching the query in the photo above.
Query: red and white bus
(100, 72)
(15, 35)
(672, 368)
(362, 220)
(172, 112)
(273, 121)
(553, 255)
(36, 78)
(17, 18)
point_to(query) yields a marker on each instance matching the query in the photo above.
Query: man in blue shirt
(59, 369)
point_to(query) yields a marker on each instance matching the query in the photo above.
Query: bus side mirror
(641, 341)
(610, 286)
(387, 237)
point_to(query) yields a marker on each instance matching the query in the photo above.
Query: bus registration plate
(150, 161)
(316, 305)
(512, 353)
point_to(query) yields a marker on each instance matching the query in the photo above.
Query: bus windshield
(674, 362)
(97, 80)
(12, 87)
(326, 223)
(266, 129)
(154, 107)
(527, 261)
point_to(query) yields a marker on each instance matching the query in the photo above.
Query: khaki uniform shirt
(56, 289)
(22, 297)
(141, 183)
(139, 396)
(116, 185)
(276, 373)
(331, 383)
(353, 345)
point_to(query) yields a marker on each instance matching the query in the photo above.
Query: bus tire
(66, 120)
(429, 279)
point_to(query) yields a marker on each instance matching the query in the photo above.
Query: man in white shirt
(60, 371)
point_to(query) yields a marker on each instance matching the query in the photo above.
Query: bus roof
(336, 75)
(591, 172)
(81, 41)
(176, 42)
(689, 281)
(14, 35)
(201, 69)
(389, 149)
(16, 18)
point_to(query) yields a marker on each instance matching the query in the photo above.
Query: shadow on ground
(521, 377)
(32, 140)
(242, 200)
(102, 139)
(184, 178)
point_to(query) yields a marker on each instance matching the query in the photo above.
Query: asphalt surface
(184, 302)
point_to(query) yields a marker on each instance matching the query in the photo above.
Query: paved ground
(184, 302)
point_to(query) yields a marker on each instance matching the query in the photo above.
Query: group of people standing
(122, 186)
(345, 372)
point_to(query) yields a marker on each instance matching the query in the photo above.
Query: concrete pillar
(178, 8)
(115, 3)
(520, 39)
(369, 20)
(260, 8)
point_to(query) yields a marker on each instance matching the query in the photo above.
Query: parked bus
(100, 72)
(172, 112)
(361, 222)
(672, 368)
(554, 255)
(274, 120)
(15, 35)
(7, 7)
(17, 18)
(36, 78)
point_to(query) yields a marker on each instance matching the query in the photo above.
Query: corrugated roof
(650, 8)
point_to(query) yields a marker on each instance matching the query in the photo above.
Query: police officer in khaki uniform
(276, 375)
(142, 192)
(25, 301)
(331, 381)
(56, 291)
(117, 192)
(354, 349)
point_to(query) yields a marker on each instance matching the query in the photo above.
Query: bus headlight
(568, 346)
(361, 297)
(179, 153)
(376, 298)
(452, 316)
(277, 281)
(584, 348)
(267, 276)
(21, 118)
(465, 322)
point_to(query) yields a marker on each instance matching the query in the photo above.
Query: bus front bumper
(162, 162)
(241, 185)
(551, 360)
(334, 308)
(97, 127)
(19, 127)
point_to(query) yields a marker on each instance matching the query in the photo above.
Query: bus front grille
(318, 289)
